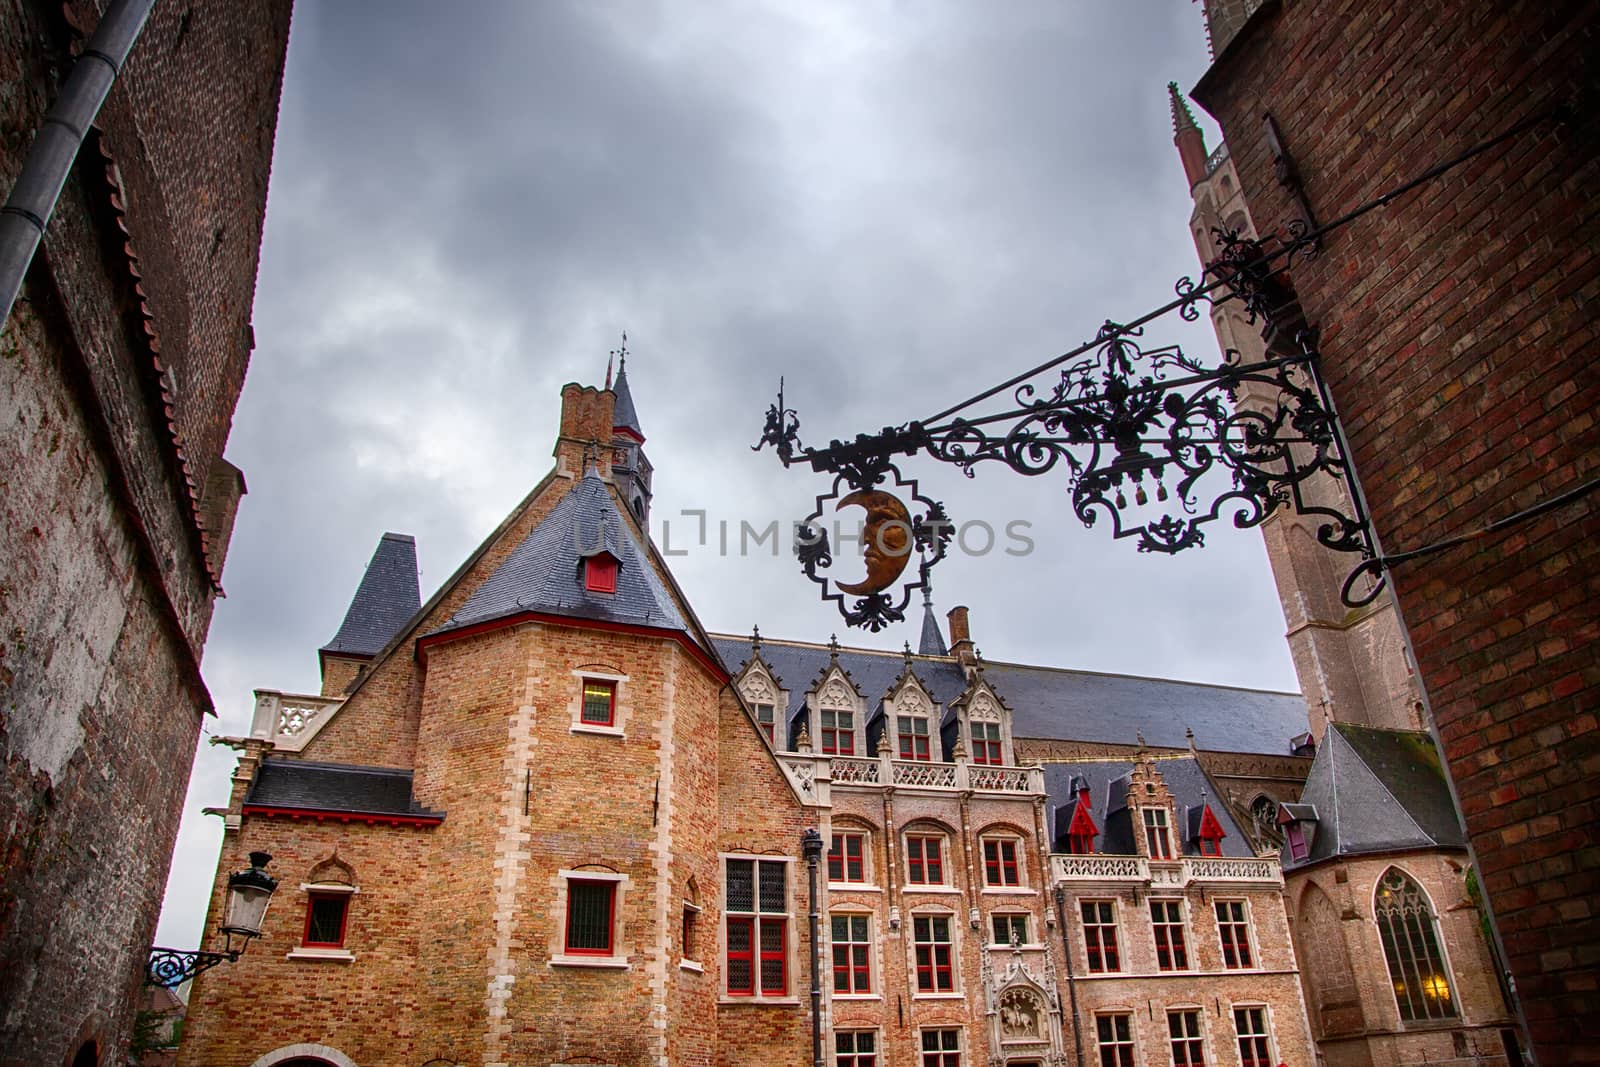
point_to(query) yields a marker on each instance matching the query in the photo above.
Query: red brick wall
(1459, 332)
(105, 595)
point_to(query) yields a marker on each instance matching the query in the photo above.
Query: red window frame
(912, 730)
(855, 1048)
(766, 723)
(1166, 924)
(765, 928)
(1233, 928)
(1254, 1047)
(851, 938)
(1115, 1042)
(837, 741)
(846, 858)
(595, 687)
(931, 936)
(924, 859)
(986, 743)
(941, 1048)
(313, 898)
(609, 889)
(1210, 846)
(1000, 863)
(1100, 936)
(600, 574)
(1187, 1041)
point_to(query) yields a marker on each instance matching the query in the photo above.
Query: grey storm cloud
(891, 204)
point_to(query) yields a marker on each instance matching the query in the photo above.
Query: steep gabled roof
(1377, 791)
(385, 600)
(543, 575)
(1049, 702)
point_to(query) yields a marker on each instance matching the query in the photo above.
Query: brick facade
(1457, 328)
(123, 361)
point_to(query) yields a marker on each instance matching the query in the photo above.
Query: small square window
(599, 703)
(846, 861)
(325, 919)
(855, 1048)
(1000, 863)
(589, 916)
(924, 860)
(1010, 929)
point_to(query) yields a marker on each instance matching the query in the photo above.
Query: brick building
(121, 363)
(545, 817)
(1457, 331)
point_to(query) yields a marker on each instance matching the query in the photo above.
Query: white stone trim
(612, 963)
(333, 955)
(292, 1052)
(621, 708)
(328, 887)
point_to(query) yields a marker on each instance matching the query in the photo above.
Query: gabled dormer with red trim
(1081, 831)
(1205, 832)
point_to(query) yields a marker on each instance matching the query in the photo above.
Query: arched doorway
(304, 1055)
(88, 1055)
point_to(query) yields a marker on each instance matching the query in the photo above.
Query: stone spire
(932, 642)
(1187, 136)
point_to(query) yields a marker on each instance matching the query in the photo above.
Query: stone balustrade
(809, 772)
(289, 720)
(1166, 874)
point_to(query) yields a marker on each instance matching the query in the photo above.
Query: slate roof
(1049, 702)
(624, 415)
(932, 641)
(385, 600)
(1377, 791)
(1108, 804)
(542, 573)
(302, 784)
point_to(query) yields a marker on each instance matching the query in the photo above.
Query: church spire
(932, 642)
(625, 417)
(1187, 136)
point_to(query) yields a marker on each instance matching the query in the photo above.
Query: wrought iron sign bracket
(169, 967)
(1155, 442)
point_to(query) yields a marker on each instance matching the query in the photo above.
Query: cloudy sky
(892, 204)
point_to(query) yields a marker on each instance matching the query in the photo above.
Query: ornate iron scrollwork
(171, 967)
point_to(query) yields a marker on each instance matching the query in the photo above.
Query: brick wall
(106, 588)
(1458, 328)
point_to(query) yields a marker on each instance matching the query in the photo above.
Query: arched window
(1410, 933)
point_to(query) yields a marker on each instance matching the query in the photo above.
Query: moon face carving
(885, 539)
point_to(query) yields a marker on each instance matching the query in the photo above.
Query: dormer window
(912, 731)
(1156, 835)
(1296, 839)
(986, 743)
(1082, 830)
(600, 573)
(838, 733)
(1211, 833)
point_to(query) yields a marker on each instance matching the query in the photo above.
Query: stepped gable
(385, 601)
(1053, 703)
(543, 573)
(302, 785)
(1376, 790)
(1108, 803)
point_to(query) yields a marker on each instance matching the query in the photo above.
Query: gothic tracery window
(1410, 932)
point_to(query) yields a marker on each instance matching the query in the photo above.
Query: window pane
(589, 916)
(597, 702)
(325, 924)
(772, 894)
(741, 885)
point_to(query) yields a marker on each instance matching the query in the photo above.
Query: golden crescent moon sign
(885, 539)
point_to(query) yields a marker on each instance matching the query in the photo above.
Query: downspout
(811, 846)
(1072, 986)
(33, 199)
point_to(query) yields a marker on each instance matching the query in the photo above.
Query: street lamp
(249, 893)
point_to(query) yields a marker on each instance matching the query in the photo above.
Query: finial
(908, 655)
(833, 647)
(958, 751)
(802, 740)
(977, 660)
(755, 639)
(1139, 736)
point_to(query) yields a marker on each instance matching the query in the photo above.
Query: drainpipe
(811, 845)
(1072, 985)
(33, 199)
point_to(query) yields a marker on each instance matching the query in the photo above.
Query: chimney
(961, 637)
(586, 414)
(1187, 136)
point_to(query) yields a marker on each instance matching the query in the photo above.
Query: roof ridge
(1376, 777)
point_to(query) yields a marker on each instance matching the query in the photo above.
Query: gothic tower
(1351, 662)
